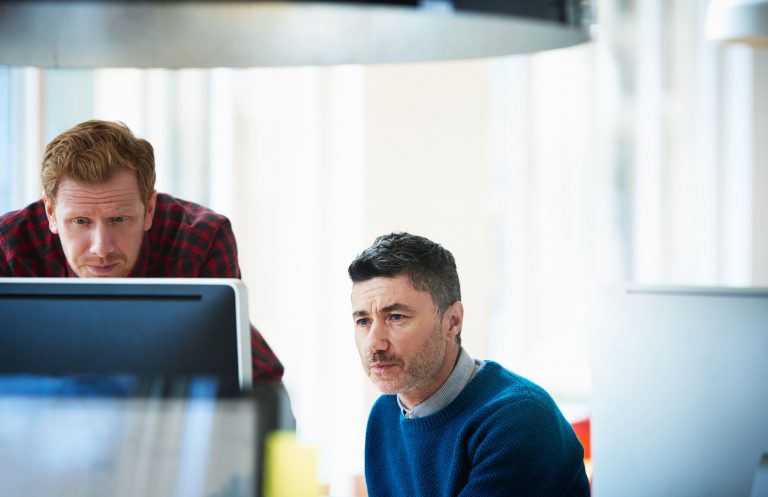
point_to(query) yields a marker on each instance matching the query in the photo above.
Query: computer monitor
(168, 327)
(126, 436)
(679, 392)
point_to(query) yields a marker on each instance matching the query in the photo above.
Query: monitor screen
(679, 392)
(148, 327)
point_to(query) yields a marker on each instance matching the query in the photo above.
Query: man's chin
(388, 386)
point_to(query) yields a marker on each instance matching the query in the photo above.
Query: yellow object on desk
(290, 468)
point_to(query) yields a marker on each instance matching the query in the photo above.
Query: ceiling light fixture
(175, 34)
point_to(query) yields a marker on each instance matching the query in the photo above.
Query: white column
(760, 170)
(648, 170)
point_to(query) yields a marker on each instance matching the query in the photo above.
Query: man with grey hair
(447, 425)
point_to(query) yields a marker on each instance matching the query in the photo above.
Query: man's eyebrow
(386, 309)
(396, 307)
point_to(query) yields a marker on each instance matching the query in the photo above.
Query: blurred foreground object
(257, 33)
(127, 435)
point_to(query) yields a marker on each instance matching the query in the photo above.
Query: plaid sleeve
(27, 246)
(266, 366)
(5, 270)
(222, 258)
(222, 263)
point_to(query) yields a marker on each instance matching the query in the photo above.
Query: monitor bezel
(244, 365)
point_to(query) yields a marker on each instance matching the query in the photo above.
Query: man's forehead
(111, 193)
(385, 291)
(82, 203)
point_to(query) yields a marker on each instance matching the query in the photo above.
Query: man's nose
(378, 337)
(101, 241)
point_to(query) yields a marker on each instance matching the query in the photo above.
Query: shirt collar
(462, 373)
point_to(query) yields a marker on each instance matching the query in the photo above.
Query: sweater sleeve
(525, 448)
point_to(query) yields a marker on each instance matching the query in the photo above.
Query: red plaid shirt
(186, 240)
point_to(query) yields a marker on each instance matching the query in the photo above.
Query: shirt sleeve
(222, 263)
(5, 270)
(266, 366)
(221, 260)
(5, 267)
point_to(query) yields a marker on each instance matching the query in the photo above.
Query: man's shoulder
(501, 387)
(30, 213)
(188, 235)
(24, 228)
(494, 374)
(27, 246)
(166, 201)
(173, 213)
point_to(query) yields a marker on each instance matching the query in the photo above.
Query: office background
(640, 156)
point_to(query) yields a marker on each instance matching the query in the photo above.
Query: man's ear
(50, 213)
(149, 212)
(455, 319)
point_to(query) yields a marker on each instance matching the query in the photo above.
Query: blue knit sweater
(502, 436)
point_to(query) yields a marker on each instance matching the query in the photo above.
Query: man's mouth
(381, 367)
(101, 268)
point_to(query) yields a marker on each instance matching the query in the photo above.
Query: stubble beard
(418, 371)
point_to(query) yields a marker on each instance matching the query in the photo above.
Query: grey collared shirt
(466, 368)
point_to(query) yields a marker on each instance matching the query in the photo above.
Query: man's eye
(119, 219)
(80, 220)
(363, 322)
(396, 317)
